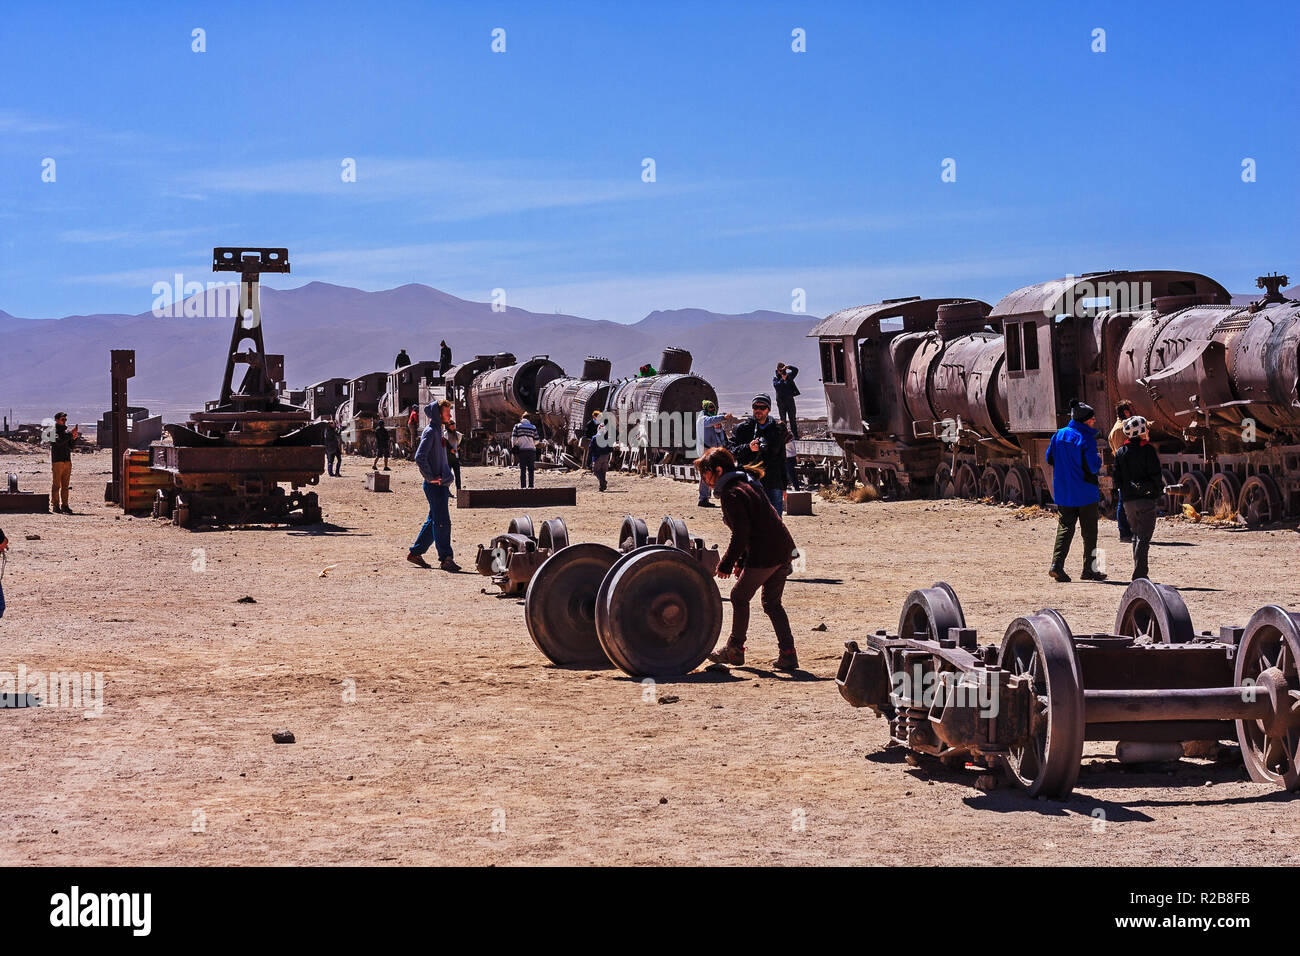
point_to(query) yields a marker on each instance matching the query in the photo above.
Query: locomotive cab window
(1013, 347)
(1030, 340)
(833, 363)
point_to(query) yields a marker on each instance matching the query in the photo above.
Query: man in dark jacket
(785, 389)
(61, 464)
(760, 440)
(598, 446)
(761, 549)
(333, 451)
(383, 444)
(402, 360)
(444, 357)
(431, 459)
(1075, 464)
(1138, 477)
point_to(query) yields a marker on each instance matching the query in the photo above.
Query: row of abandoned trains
(490, 393)
(946, 397)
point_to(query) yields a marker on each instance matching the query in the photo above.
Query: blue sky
(522, 170)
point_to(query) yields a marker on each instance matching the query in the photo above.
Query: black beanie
(1080, 411)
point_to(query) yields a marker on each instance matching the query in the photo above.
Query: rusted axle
(1183, 703)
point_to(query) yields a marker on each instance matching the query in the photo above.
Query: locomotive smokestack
(1272, 284)
(596, 369)
(675, 362)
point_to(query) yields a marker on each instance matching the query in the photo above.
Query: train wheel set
(649, 606)
(1028, 703)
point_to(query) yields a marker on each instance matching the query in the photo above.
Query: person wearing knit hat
(1075, 463)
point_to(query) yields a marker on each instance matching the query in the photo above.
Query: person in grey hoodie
(431, 459)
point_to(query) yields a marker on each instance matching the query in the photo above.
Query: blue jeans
(1121, 516)
(438, 524)
(777, 497)
(526, 459)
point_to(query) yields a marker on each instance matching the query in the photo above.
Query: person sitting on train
(1137, 473)
(1123, 412)
(646, 371)
(760, 440)
(1075, 462)
(786, 390)
(444, 357)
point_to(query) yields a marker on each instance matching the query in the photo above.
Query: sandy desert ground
(463, 745)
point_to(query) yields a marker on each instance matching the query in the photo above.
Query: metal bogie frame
(1028, 703)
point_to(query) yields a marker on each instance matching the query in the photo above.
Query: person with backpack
(523, 440)
(761, 550)
(1138, 474)
(431, 459)
(1075, 462)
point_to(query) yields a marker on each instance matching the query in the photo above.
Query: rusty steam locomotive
(944, 397)
(654, 416)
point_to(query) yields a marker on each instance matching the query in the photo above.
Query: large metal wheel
(943, 483)
(560, 607)
(672, 531)
(632, 533)
(1154, 611)
(553, 536)
(658, 613)
(1266, 658)
(1194, 485)
(1221, 495)
(1260, 501)
(1018, 487)
(1046, 761)
(521, 524)
(991, 479)
(966, 483)
(928, 613)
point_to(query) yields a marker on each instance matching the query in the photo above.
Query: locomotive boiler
(654, 416)
(567, 404)
(943, 397)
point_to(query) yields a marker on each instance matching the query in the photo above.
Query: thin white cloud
(443, 190)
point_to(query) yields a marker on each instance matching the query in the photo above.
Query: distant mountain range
(328, 330)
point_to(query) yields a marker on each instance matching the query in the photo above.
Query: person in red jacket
(761, 549)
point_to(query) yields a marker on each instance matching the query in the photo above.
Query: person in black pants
(382, 443)
(1138, 475)
(761, 549)
(451, 441)
(786, 391)
(523, 440)
(598, 447)
(333, 451)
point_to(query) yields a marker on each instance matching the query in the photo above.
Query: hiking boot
(728, 654)
(417, 560)
(786, 661)
(1125, 540)
(447, 564)
(706, 504)
(386, 468)
(1091, 575)
(66, 510)
(1058, 575)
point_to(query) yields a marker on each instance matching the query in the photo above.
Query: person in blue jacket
(431, 459)
(1075, 465)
